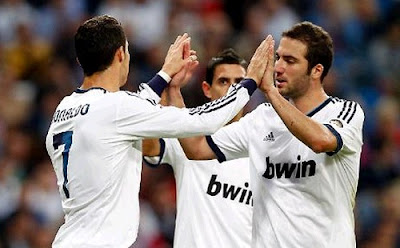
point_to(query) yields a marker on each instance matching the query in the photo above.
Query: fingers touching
(179, 54)
(267, 82)
(260, 60)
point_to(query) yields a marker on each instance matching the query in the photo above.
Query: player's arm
(313, 134)
(172, 96)
(229, 142)
(197, 148)
(151, 147)
(142, 119)
(200, 147)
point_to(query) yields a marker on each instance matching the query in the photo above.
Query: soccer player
(94, 139)
(214, 201)
(304, 148)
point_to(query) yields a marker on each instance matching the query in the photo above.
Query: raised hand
(183, 76)
(259, 61)
(267, 82)
(175, 59)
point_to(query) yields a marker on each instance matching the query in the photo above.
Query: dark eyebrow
(288, 57)
(226, 78)
(222, 79)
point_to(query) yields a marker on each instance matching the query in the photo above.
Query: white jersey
(301, 199)
(214, 200)
(94, 142)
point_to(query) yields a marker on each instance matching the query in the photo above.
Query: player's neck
(307, 102)
(105, 79)
(237, 117)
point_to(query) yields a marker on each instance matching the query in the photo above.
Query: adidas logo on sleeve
(269, 137)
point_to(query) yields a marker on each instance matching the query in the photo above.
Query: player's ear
(206, 89)
(120, 54)
(316, 71)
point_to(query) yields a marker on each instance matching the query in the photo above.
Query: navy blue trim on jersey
(208, 108)
(321, 106)
(80, 91)
(157, 84)
(161, 155)
(220, 156)
(338, 138)
(216, 104)
(249, 84)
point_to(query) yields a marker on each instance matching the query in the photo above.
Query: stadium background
(38, 68)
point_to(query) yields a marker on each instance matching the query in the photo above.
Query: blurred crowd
(38, 67)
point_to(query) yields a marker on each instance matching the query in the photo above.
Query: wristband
(165, 76)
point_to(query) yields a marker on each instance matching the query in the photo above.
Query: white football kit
(94, 142)
(214, 200)
(301, 199)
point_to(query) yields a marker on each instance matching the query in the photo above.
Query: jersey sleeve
(171, 153)
(347, 126)
(152, 90)
(142, 118)
(155, 161)
(231, 141)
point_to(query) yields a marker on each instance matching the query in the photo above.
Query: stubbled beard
(294, 89)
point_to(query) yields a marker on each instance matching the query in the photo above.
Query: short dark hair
(96, 42)
(319, 44)
(227, 56)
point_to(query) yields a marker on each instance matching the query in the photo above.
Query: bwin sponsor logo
(231, 192)
(286, 170)
(270, 137)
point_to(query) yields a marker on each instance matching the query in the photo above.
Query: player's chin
(282, 90)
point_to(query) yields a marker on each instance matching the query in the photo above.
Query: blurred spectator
(19, 229)
(56, 13)
(40, 195)
(279, 17)
(144, 20)
(27, 54)
(16, 97)
(10, 188)
(12, 14)
(385, 233)
(384, 50)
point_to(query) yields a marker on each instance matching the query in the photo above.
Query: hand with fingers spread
(258, 62)
(178, 55)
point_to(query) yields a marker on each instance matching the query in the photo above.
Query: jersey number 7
(65, 139)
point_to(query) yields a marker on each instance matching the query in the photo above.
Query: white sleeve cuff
(165, 76)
